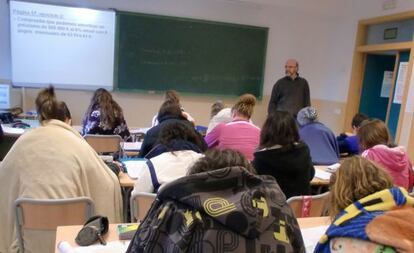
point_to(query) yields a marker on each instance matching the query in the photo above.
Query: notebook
(126, 231)
(323, 174)
(132, 146)
(134, 166)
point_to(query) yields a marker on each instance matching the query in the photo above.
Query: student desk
(126, 181)
(318, 181)
(314, 222)
(68, 233)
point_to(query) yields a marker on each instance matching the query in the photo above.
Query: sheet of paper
(110, 247)
(132, 146)
(12, 130)
(323, 174)
(311, 237)
(334, 167)
(134, 167)
(139, 130)
(386, 84)
(401, 77)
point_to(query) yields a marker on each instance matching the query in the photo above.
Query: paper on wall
(401, 77)
(386, 84)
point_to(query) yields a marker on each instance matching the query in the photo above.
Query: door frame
(358, 67)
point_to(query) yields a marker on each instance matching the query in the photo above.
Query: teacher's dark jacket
(151, 137)
(291, 166)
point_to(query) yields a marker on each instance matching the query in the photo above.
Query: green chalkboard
(157, 53)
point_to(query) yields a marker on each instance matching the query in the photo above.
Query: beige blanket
(53, 162)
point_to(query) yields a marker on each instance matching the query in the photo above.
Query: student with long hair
(239, 134)
(173, 96)
(377, 146)
(177, 149)
(104, 116)
(221, 206)
(53, 162)
(282, 155)
(369, 214)
(169, 112)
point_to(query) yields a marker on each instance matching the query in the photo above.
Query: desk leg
(126, 195)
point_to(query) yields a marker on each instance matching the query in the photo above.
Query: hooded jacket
(395, 161)
(226, 210)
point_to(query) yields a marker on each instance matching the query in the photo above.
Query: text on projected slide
(53, 24)
(69, 47)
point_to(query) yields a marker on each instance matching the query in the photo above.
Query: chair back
(140, 204)
(104, 143)
(138, 136)
(309, 206)
(47, 214)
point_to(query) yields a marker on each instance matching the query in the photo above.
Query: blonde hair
(244, 106)
(355, 179)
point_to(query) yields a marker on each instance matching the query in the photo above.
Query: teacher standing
(290, 93)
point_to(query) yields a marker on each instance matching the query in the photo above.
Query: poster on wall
(4, 96)
(386, 84)
(401, 77)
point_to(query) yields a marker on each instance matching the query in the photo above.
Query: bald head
(291, 68)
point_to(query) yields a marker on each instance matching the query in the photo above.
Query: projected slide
(68, 47)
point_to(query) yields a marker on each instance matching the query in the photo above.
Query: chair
(47, 214)
(104, 143)
(140, 203)
(309, 206)
(138, 136)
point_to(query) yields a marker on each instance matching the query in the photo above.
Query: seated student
(320, 139)
(240, 134)
(105, 116)
(169, 112)
(219, 114)
(53, 162)
(174, 96)
(177, 153)
(349, 143)
(282, 155)
(64, 110)
(369, 216)
(222, 206)
(376, 143)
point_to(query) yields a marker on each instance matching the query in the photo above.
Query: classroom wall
(314, 32)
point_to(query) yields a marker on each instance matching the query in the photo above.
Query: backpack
(226, 210)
